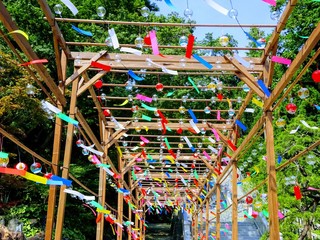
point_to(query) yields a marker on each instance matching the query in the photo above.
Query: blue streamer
(65, 181)
(317, 107)
(168, 175)
(134, 76)
(195, 120)
(241, 125)
(202, 61)
(139, 183)
(253, 39)
(57, 183)
(169, 3)
(264, 88)
(151, 161)
(279, 158)
(124, 190)
(193, 149)
(81, 31)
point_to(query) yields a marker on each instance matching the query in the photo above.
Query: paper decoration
(169, 94)
(216, 135)
(152, 109)
(168, 2)
(172, 72)
(37, 61)
(217, 7)
(280, 215)
(249, 110)
(279, 158)
(20, 32)
(123, 103)
(114, 38)
(241, 125)
(144, 98)
(253, 39)
(313, 189)
(202, 61)
(194, 126)
(295, 130)
(90, 149)
(307, 125)
(71, 6)
(100, 65)
(257, 102)
(218, 115)
(281, 60)
(145, 140)
(241, 60)
(193, 84)
(81, 31)
(297, 192)
(232, 146)
(131, 50)
(317, 107)
(67, 119)
(190, 46)
(51, 107)
(134, 76)
(264, 88)
(271, 2)
(4, 155)
(12, 171)
(194, 118)
(189, 144)
(79, 195)
(147, 118)
(154, 42)
(206, 155)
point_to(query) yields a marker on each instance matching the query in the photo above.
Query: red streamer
(162, 117)
(190, 46)
(297, 192)
(232, 146)
(37, 61)
(100, 65)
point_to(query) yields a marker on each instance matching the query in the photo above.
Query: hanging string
(1, 142)
(18, 153)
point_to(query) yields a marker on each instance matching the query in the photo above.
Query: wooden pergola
(136, 156)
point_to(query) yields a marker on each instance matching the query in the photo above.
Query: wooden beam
(85, 67)
(249, 79)
(89, 83)
(218, 207)
(66, 162)
(117, 135)
(234, 201)
(294, 66)
(31, 55)
(207, 219)
(272, 182)
(276, 33)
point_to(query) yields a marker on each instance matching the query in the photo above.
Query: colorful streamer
(71, 6)
(216, 135)
(257, 102)
(147, 118)
(194, 118)
(134, 76)
(81, 31)
(189, 144)
(241, 125)
(194, 126)
(4, 154)
(232, 146)
(154, 42)
(79, 195)
(217, 7)
(125, 102)
(104, 67)
(131, 50)
(264, 88)
(152, 109)
(271, 2)
(193, 84)
(297, 192)
(67, 119)
(307, 125)
(144, 98)
(241, 60)
(20, 32)
(37, 61)
(114, 38)
(202, 61)
(190, 46)
(281, 60)
(168, 2)
(253, 39)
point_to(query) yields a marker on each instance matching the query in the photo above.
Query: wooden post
(196, 226)
(55, 161)
(120, 200)
(218, 206)
(66, 162)
(234, 202)
(102, 184)
(207, 219)
(272, 183)
(201, 221)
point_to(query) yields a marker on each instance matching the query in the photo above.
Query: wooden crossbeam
(89, 83)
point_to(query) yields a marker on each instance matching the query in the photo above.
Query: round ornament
(159, 87)
(316, 76)
(98, 84)
(281, 123)
(249, 200)
(291, 108)
(303, 93)
(21, 166)
(224, 40)
(35, 167)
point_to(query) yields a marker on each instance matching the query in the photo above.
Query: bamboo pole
(218, 207)
(66, 162)
(272, 182)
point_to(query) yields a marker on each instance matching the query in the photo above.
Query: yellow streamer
(35, 178)
(170, 158)
(113, 230)
(157, 179)
(20, 32)
(257, 102)
(256, 169)
(185, 170)
(230, 104)
(122, 104)
(248, 179)
(146, 128)
(103, 211)
(135, 229)
(120, 152)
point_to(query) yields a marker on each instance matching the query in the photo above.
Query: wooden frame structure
(81, 82)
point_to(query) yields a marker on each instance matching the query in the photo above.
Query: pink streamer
(154, 42)
(86, 205)
(144, 98)
(313, 189)
(280, 215)
(139, 159)
(281, 60)
(216, 134)
(218, 115)
(220, 151)
(206, 154)
(144, 139)
(271, 2)
(158, 185)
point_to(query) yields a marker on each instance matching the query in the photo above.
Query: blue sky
(249, 12)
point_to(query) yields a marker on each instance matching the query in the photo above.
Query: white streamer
(188, 142)
(211, 140)
(249, 110)
(295, 130)
(90, 149)
(241, 60)
(71, 6)
(217, 7)
(49, 106)
(114, 38)
(213, 149)
(131, 50)
(79, 195)
(183, 181)
(307, 125)
(172, 72)
(194, 126)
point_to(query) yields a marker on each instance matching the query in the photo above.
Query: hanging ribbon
(131, 50)
(232, 146)
(67, 118)
(194, 126)
(195, 120)
(307, 125)
(81, 31)
(190, 46)
(71, 6)
(189, 144)
(206, 155)
(144, 98)
(37, 61)
(90, 149)
(154, 42)
(152, 109)
(125, 102)
(79, 195)
(264, 88)
(202, 61)
(297, 192)
(281, 60)
(147, 118)
(217, 7)
(193, 84)
(104, 67)
(257, 102)
(114, 38)
(20, 32)
(216, 135)
(271, 2)
(168, 2)
(253, 39)
(134, 76)
(241, 60)
(241, 125)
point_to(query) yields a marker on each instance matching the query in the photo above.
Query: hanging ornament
(183, 41)
(188, 13)
(203, 131)
(199, 144)
(250, 159)
(124, 143)
(35, 167)
(233, 13)
(212, 86)
(4, 162)
(275, 15)
(139, 42)
(98, 84)
(180, 145)
(183, 62)
(138, 129)
(219, 85)
(262, 42)
(182, 109)
(108, 42)
(213, 99)
(311, 159)
(254, 152)
(231, 112)
(207, 110)
(134, 108)
(145, 12)
(48, 175)
(316, 76)
(30, 89)
(57, 9)
(303, 93)
(21, 166)
(159, 87)
(154, 97)
(260, 146)
(85, 152)
(291, 108)
(101, 11)
(103, 96)
(184, 99)
(117, 58)
(224, 41)
(147, 40)
(281, 123)
(245, 88)
(156, 113)
(130, 98)
(249, 200)
(106, 113)
(239, 99)
(79, 142)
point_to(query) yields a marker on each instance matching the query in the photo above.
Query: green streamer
(145, 117)
(67, 119)
(169, 129)
(304, 37)
(95, 204)
(265, 213)
(193, 84)
(169, 94)
(247, 214)
(167, 142)
(103, 165)
(145, 106)
(4, 155)
(196, 174)
(134, 177)
(170, 170)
